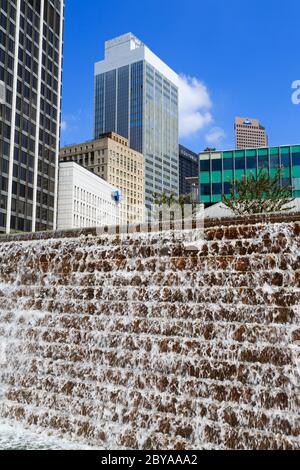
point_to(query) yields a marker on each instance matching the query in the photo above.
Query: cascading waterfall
(139, 342)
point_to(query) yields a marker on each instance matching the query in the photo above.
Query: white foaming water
(16, 437)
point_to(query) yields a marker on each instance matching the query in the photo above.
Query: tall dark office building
(188, 167)
(31, 43)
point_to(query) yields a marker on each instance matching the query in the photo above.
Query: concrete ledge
(253, 219)
(145, 228)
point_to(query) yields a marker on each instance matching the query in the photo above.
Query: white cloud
(64, 125)
(194, 106)
(71, 121)
(215, 136)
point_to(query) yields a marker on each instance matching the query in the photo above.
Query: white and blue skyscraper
(136, 95)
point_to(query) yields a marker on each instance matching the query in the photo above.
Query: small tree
(177, 203)
(163, 199)
(259, 194)
(182, 200)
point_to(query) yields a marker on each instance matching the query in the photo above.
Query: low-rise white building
(85, 199)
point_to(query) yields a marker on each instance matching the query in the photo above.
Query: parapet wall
(142, 343)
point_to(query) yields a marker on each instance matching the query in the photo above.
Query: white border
(62, 5)
(13, 115)
(38, 119)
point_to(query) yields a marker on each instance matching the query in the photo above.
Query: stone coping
(145, 228)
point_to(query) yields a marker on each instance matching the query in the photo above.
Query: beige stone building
(111, 158)
(249, 133)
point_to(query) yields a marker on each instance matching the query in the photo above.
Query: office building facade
(31, 44)
(136, 96)
(84, 199)
(249, 133)
(111, 158)
(188, 168)
(217, 169)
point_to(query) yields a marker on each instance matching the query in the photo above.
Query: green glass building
(217, 168)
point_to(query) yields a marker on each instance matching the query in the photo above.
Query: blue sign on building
(117, 196)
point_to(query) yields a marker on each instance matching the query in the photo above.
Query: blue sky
(241, 57)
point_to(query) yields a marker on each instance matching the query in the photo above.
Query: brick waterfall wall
(148, 345)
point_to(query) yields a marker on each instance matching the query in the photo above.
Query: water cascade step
(139, 342)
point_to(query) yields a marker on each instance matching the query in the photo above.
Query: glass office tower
(31, 42)
(136, 95)
(188, 168)
(217, 169)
